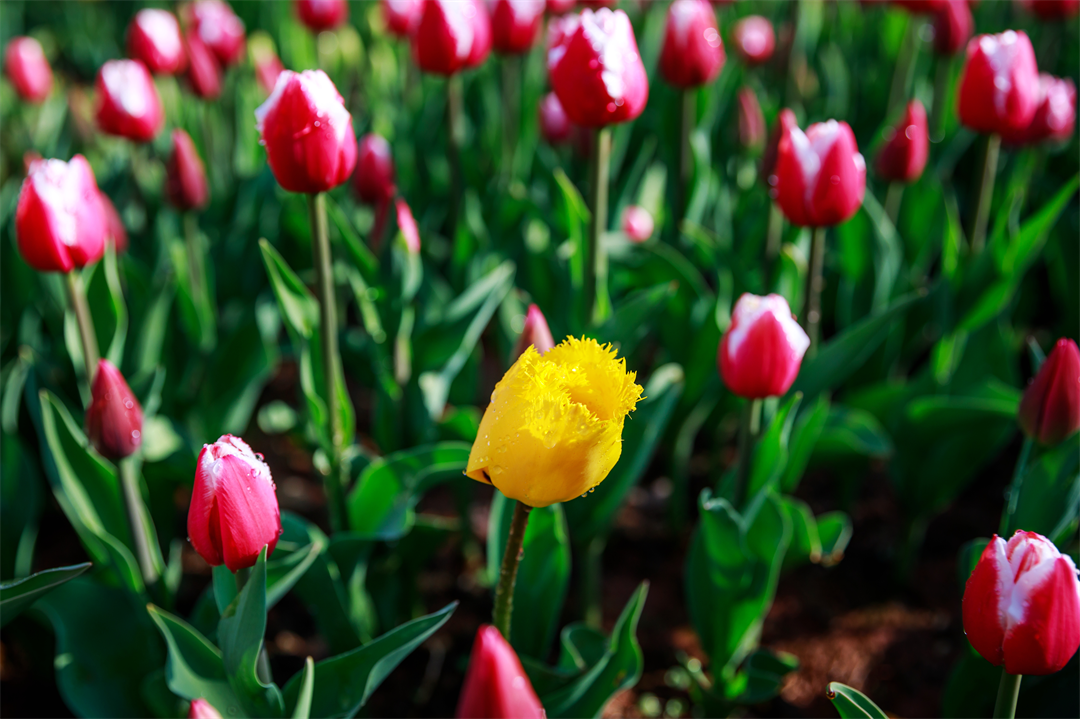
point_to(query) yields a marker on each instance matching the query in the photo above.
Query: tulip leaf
(850, 703)
(17, 595)
(299, 545)
(834, 531)
(851, 434)
(343, 684)
(804, 437)
(761, 675)
(305, 693)
(805, 541)
(771, 452)
(635, 317)
(1049, 500)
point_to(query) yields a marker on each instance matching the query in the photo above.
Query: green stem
(1013, 493)
(774, 232)
(511, 105)
(748, 431)
(1008, 691)
(595, 259)
(687, 121)
(504, 590)
(893, 199)
(331, 360)
(453, 148)
(242, 576)
(986, 193)
(591, 579)
(141, 531)
(79, 305)
(815, 282)
(196, 270)
(941, 97)
(905, 64)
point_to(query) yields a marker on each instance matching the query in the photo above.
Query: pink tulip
(59, 221)
(115, 418)
(760, 354)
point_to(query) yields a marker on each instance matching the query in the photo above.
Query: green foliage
(18, 595)
(850, 703)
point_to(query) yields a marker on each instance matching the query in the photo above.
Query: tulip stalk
(453, 147)
(774, 232)
(1012, 495)
(986, 193)
(893, 197)
(79, 305)
(749, 428)
(815, 282)
(141, 529)
(511, 105)
(504, 590)
(590, 582)
(597, 304)
(941, 97)
(1008, 691)
(687, 121)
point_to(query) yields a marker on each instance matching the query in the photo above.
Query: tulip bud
(693, 53)
(114, 225)
(234, 511)
(1022, 605)
(204, 73)
(596, 69)
(820, 177)
(496, 686)
(321, 15)
(920, 6)
(953, 26)
(534, 334)
(555, 126)
(402, 16)
(154, 37)
(1050, 409)
(481, 44)
(219, 28)
(1000, 84)
(907, 146)
(114, 419)
(754, 39)
(267, 71)
(451, 35)
(127, 101)
(785, 121)
(27, 68)
(307, 132)
(560, 7)
(407, 225)
(202, 709)
(761, 351)
(751, 120)
(515, 24)
(59, 221)
(185, 176)
(1053, 9)
(374, 178)
(598, 3)
(553, 429)
(637, 223)
(1055, 117)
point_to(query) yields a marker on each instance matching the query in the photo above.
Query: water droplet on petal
(835, 179)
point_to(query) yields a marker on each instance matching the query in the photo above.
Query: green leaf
(834, 531)
(804, 437)
(805, 542)
(771, 452)
(18, 595)
(851, 435)
(1049, 499)
(852, 704)
(306, 691)
(1025, 245)
(300, 544)
(764, 671)
(343, 684)
(968, 557)
(635, 317)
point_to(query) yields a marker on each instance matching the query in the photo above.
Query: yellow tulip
(553, 429)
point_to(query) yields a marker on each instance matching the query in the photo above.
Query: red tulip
(535, 333)
(234, 511)
(407, 225)
(637, 223)
(953, 26)
(907, 146)
(402, 16)
(1052, 9)
(1000, 85)
(754, 39)
(1050, 409)
(115, 231)
(693, 53)
(219, 27)
(820, 177)
(307, 132)
(595, 68)
(1022, 605)
(374, 178)
(267, 68)
(127, 101)
(481, 45)
(27, 68)
(598, 3)
(202, 709)
(1055, 117)
(560, 7)
(751, 120)
(515, 24)
(59, 221)
(921, 6)
(204, 73)
(154, 37)
(496, 686)
(114, 420)
(554, 124)
(185, 176)
(760, 354)
(785, 121)
(321, 15)
(451, 35)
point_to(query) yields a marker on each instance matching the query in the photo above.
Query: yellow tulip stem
(751, 424)
(79, 305)
(504, 590)
(1008, 692)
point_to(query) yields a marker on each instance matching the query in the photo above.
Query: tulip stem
(774, 233)
(1012, 495)
(893, 198)
(453, 148)
(504, 590)
(941, 97)
(748, 431)
(905, 64)
(331, 360)
(511, 102)
(141, 528)
(815, 281)
(79, 305)
(597, 304)
(687, 121)
(1008, 691)
(986, 193)
(592, 571)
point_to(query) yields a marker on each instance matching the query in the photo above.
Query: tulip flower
(907, 146)
(407, 226)
(1050, 409)
(402, 16)
(1022, 605)
(560, 7)
(496, 686)
(1055, 117)
(820, 177)
(920, 6)
(515, 25)
(1052, 9)
(481, 24)
(555, 126)
(204, 73)
(693, 53)
(762, 350)
(374, 178)
(637, 223)
(185, 176)
(307, 133)
(321, 15)
(451, 35)
(234, 511)
(751, 120)
(598, 3)
(999, 89)
(114, 225)
(953, 26)
(127, 101)
(59, 220)
(154, 38)
(754, 39)
(535, 333)
(785, 122)
(27, 68)
(115, 418)
(202, 709)
(219, 28)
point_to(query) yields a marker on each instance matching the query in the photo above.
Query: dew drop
(128, 404)
(136, 435)
(835, 179)
(259, 456)
(497, 469)
(611, 107)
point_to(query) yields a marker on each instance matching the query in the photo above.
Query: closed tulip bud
(999, 88)
(496, 686)
(321, 15)
(1055, 117)
(754, 39)
(1022, 605)
(515, 24)
(920, 6)
(202, 709)
(185, 176)
(374, 178)
(407, 226)
(204, 73)
(553, 429)
(953, 26)
(451, 35)
(402, 16)
(751, 120)
(115, 232)
(27, 68)
(154, 38)
(555, 126)
(596, 69)
(637, 223)
(234, 511)
(693, 53)
(307, 132)
(219, 28)
(785, 122)
(1050, 409)
(560, 7)
(115, 418)
(907, 146)
(820, 177)
(59, 221)
(760, 354)
(127, 101)
(267, 70)
(535, 333)
(1052, 9)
